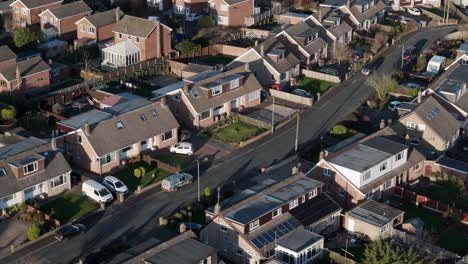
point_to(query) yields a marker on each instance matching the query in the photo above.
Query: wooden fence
(321, 76)
(429, 203)
(292, 97)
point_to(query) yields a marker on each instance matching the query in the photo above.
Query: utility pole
(402, 55)
(198, 179)
(297, 132)
(273, 116)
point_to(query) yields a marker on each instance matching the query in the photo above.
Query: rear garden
(236, 132)
(314, 86)
(69, 207)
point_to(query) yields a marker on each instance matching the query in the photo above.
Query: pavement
(137, 219)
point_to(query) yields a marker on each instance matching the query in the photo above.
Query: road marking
(39, 249)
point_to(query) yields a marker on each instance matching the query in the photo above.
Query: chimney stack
(247, 67)
(382, 123)
(163, 101)
(256, 43)
(186, 88)
(419, 97)
(262, 50)
(320, 15)
(407, 138)
(217, 207)
(87, 129)
(53, 143)
(117, 14)
(18, 73)
(348, 4)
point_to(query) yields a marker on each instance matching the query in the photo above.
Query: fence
(164, 166)
(429, 203)
(321, 76)
(292, 97)
(253, 121)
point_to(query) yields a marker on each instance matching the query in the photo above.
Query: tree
(34, 232)
(380, 40)
(421, 63)
(342, 53)
(24, 38)
(86, 58)
(187, 47)
(382, 85)
(7, 111)
(380, 252)
(205, 22)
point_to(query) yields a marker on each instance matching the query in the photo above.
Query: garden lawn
(174, 159)
(432, 220)
(127, 176)
(454, 241)
(315, 86)
(69, 207)
(236, 132)
(447, 195)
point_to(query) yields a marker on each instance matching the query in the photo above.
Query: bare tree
(380, 40)
(86, 58)
(342, 52)
(382, 85)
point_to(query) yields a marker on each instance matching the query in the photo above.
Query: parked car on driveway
(392, 106)
(174, 182)
(414, 11)
(185, 148)
(68, 231)
(368, 69)
(96, 191)
(193, 17)
(114, 185)
(413, 85)
(302, 93)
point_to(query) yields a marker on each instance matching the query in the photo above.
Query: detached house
(59, 22)
(100, 141)
(205, 97)
(137, 39)
(257, 223)
(98, 27)
(231, 13)
(363, 13)
(25, 76)
(368, 169)
(31, 167)
(26, 12)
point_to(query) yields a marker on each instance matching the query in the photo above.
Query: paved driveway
(12, 232)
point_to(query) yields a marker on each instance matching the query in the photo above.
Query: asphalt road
(137, 219)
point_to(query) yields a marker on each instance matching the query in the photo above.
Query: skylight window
(143, 117)
(2, 172)
(154, 114)
(195, 93)
(433, 113)
(119, 125)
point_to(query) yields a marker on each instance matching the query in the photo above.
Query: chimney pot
(382, 123)
(53, 143)
(419, 97)
(247, 67)
(256, 43)
(87, 129)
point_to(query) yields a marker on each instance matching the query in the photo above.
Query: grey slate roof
(290, 61)
(202, 103)
(38, 3)
(332, 14)
(105, 137)
(307, 27)
(299, 240)
(385, 145)
(103, 18)
(315, 209)
(5, 6)
(362, 16)
(55, 164)
(374, 213)
(71, 9)
(453, 164)
(188, 251)
(6, 54)
(136, 26)
(91, 117)
(27, 67)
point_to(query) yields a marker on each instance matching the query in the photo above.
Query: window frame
(293, 204)
(277, 212)
(326, 172)
(163, 135)
(217, 90)
(384, 165)
(254, 224)
(35, 168)
(313, 193)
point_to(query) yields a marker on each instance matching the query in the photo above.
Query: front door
(31, 192)
(234, 104)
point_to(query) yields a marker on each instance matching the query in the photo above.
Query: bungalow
(25, 76)
(26, 12)
(98, 27)
(373, 219)
(137, 39)
(7, 57)
(59, 22)
(258, 223)
(30, 167)
(101, 140)
(207, 96)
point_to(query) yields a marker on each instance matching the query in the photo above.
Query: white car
(185, 148)
(114, 185)
(414, 11)
(193, 17)
(392, 106)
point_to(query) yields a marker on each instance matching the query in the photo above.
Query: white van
(96, 191)
(174, 182)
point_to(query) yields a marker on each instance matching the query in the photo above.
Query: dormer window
(216, 90)
(119, 125)
(399, 156)
(383, 166)
(336, 23)
(154, 114)
(30, 168)
(195, 93)
(234, 83)
(254, 225)
(143, 117)
(366, 175)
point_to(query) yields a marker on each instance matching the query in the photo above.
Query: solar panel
(276, 232)
(257, 243)
(288, 225)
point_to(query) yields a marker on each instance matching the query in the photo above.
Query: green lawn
(174, 159)
(432, 221)
(70, 206)
(342, 132)
(315, 86)
(236, 132)
(448, 195)
(128, 177)
(455, 241)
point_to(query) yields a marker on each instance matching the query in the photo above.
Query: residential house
(101, 140)
(161, 5)
(336, 24)
(137, 39)
(369, 168)
(6, 18)
(183, 249)
(25, 76)
(30, 167)
(363, 13)
(59, 22)
(258, 223)
(208, 96)
(231, 13)
(7, 57)
(26, 12)
(429, 127)
(272, 62)
(98, 27)
(373, 219)
(186, 7)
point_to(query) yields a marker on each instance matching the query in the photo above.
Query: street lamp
(198, 179)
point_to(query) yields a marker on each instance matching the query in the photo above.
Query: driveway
(265, 114)
(12, 232)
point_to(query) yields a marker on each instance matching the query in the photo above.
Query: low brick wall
(141, 190)
(292, 97)
(252, 140)
(321, 76)
(164, 166)
(253, 121)
(227, 50)
(438, 19)
(177, 67)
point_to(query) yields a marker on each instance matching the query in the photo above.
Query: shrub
(351, 117)
(22, 207)
(205, 22)
(373, 104)
(183, 212)
(34, 232)
(143, 171)
(412, 92)
(38, 218)
(24, 38)
(179, 215)
(339, 130)
(7, 111)
(137, 172)
(189, 208)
